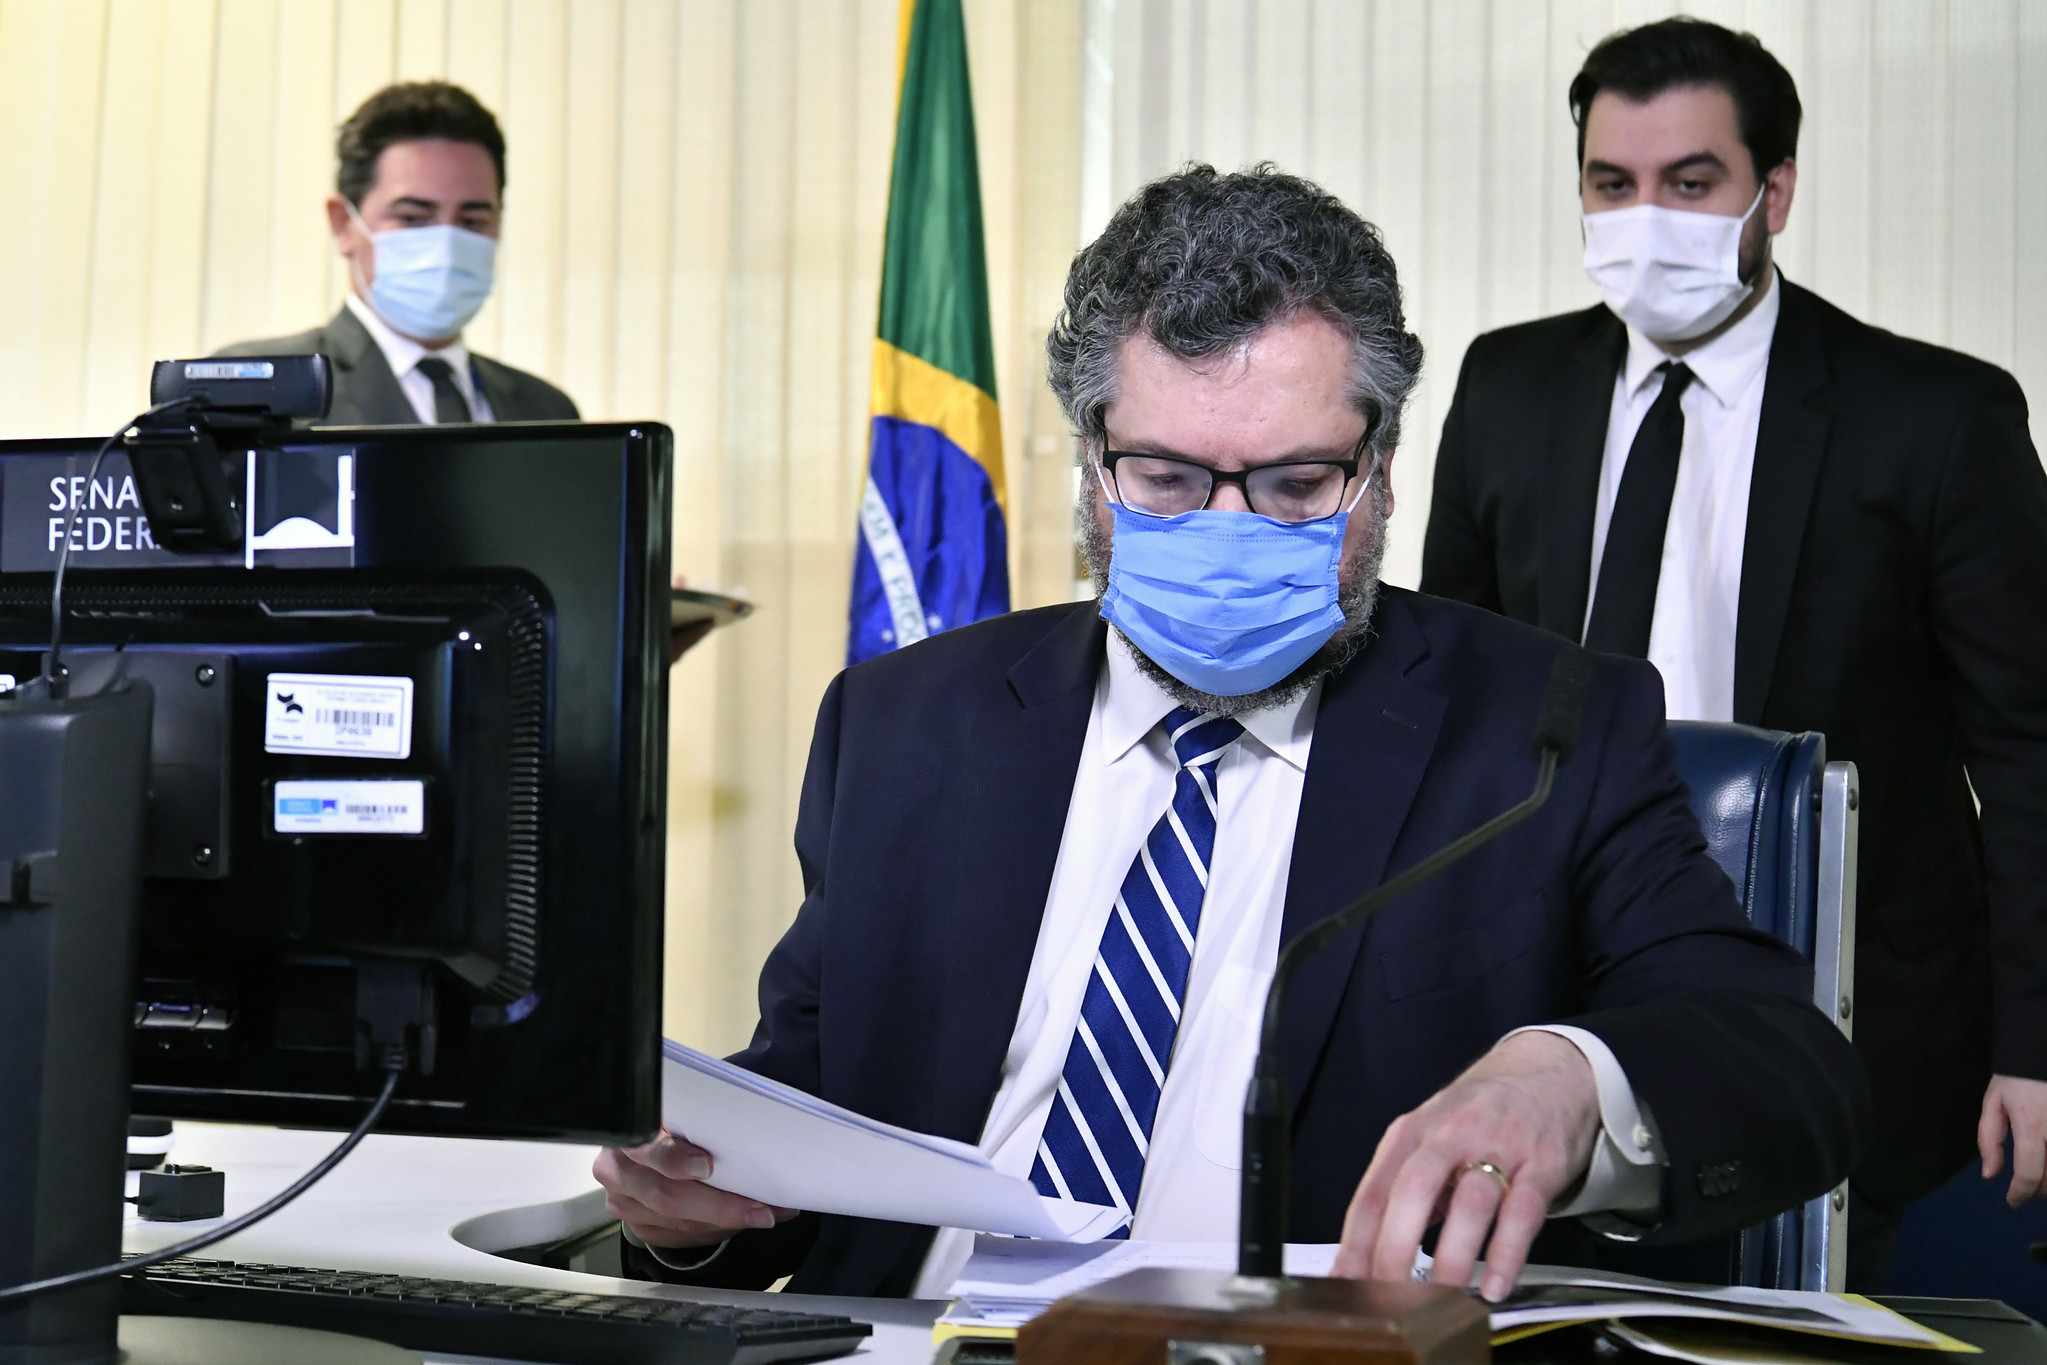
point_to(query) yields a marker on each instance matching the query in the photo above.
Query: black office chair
(1781, 820)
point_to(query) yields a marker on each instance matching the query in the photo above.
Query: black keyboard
(464, 1318)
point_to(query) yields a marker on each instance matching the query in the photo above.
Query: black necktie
(449, 404)
(1625, 603)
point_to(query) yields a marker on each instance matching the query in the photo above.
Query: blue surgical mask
(430, 280)
(1227, 602)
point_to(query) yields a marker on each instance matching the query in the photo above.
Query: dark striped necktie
(1099, 1130)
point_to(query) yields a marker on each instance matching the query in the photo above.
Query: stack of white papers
(774, 1143)
(1008, 1280)
(1552, 1296)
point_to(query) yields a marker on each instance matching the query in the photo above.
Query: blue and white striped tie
(1099, 1130)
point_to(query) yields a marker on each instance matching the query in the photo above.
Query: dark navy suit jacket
(931, 818)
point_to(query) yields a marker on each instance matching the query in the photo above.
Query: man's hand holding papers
(658, 1192)
(756, 1151)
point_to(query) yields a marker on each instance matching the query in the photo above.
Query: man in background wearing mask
(1805, 523)
(419, 181)
(1050, 858)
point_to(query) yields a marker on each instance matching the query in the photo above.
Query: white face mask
(430, 280)
(1670, 274)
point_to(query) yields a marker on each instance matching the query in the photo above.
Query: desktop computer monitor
(407, 772)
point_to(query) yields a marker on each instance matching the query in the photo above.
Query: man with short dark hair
(1050, 858)
(1805, 523)
(419, 197)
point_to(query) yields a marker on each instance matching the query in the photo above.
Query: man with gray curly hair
(1202, 275)
(1050, 857)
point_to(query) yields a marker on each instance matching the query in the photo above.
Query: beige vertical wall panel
(150, 210)
(1031, 156)
(644, 176)
(1282, 42)
(123, 208)
(1922, 202)
(365, 51)
(422, 39)
(242, 230)
(179, 219)
(749, 861)
(49, 54)
(1517, 171)
(693, 234)
(316, 41)
(706, 998)
(1574, 26)
(367, 35)
(535, 113)
(2029, 200)
(1983, 138)
(1910, 256)
(1837, 185)
(592, 188)
(1456, 197)
(1339, 92)
(1785, 27)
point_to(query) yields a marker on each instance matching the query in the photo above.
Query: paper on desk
(1009, 1280)
(1557, 1294)
(774, 1143)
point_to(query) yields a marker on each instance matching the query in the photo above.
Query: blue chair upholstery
(1780, 821)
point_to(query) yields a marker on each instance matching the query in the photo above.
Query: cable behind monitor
(78, 1278)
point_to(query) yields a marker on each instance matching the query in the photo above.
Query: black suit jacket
(366, 393)
(932, 815)
(1893, 596)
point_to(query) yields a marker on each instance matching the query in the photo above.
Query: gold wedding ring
(1490, 1169)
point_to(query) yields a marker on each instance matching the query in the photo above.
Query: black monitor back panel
(421, 722)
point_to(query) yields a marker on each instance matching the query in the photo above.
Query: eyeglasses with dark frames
(1296, 491)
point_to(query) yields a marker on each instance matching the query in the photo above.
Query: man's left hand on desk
(1530, 1109)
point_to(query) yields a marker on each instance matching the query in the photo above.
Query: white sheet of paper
(1010, 1280)
(774, 1143)
(1791, 1309)
(1014, 1267)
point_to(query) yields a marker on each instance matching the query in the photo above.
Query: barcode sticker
(345, 714)
(371, 806)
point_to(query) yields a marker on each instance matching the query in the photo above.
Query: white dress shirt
(1124, 783)
(404, 354)
(1698, 589)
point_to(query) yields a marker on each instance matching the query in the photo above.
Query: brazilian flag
(933, 552)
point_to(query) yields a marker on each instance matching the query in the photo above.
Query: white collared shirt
(1698, 588)
(403, 354)
(1124, 782)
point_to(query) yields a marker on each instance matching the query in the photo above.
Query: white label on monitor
(338, 713)
(230, 369)
(360, 807)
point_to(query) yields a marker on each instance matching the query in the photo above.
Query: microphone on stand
(1262, 1207)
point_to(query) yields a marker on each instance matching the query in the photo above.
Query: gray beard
(1356, 597)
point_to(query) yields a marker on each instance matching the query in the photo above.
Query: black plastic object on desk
(507, 1321)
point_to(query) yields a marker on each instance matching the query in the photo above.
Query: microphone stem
(1262, 1202)
(1261, 1215)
